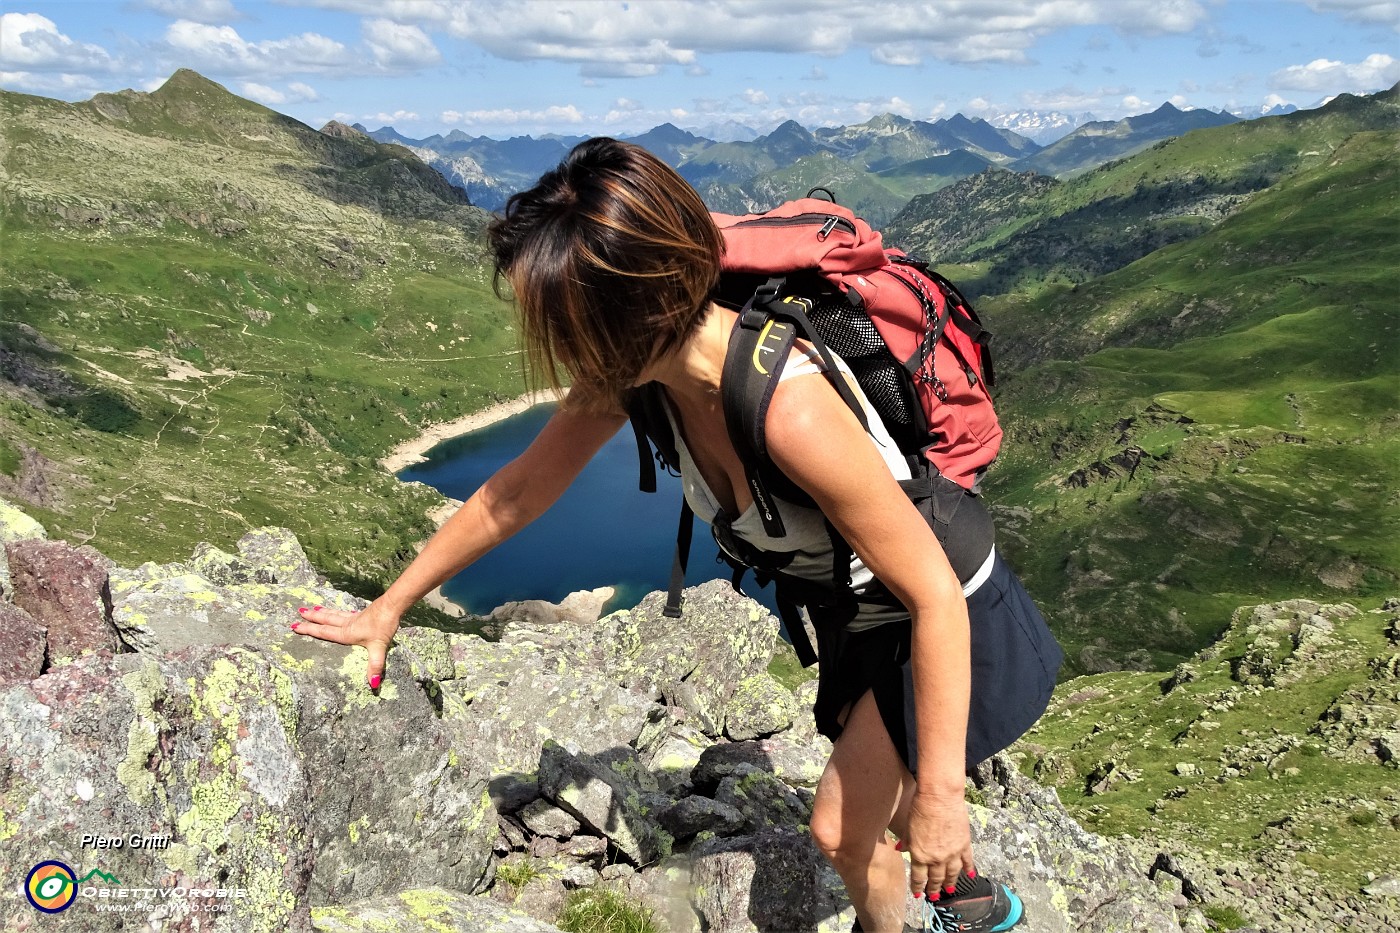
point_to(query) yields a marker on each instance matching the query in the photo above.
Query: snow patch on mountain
(1043, 127)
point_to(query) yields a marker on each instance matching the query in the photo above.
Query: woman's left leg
(864, 789)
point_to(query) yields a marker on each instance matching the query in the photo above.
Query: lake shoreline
(415, 449)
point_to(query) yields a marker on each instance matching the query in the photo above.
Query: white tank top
(807, 539)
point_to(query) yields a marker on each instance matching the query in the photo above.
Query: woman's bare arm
(514, 496)
(817, 442)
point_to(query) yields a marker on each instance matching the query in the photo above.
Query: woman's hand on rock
(372, 628)
(939, 844)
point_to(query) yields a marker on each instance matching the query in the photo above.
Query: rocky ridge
(482, 784)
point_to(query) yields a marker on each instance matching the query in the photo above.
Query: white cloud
(1385, 12)
(262, 93)
(395, 46)
(619, 70)
(548, 117)
(30, 42)
(221, 50)
(1324, 76)
(386, 119)
(295, 93)
(302, 92)
(866, 109)
(209, 12)
(618, 39)
(59, 84)
(755, 97)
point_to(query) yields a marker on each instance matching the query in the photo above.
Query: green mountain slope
(1120, 212)
(925, 175)
(213, 317)
(1215, 423)
(1290, 725)
(952, 223)
(1095, 143)
(864, 193)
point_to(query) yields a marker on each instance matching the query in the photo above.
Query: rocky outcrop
(485, 785)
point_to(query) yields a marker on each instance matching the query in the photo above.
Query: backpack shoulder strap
(758, 352)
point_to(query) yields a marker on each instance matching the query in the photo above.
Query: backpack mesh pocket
(852, 336)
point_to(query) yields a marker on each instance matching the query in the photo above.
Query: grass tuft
(605, 910)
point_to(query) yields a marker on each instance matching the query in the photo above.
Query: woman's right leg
(864, 789)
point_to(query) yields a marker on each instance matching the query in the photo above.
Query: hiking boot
(977, 905)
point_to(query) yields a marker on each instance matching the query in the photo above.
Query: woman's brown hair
(611, 257)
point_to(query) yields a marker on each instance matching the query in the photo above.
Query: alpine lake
(603, 531)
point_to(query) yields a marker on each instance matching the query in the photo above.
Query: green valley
(1214, 423)
(217, 318)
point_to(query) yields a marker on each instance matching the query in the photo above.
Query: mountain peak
(341, 131)
(886, 120)
(669, 132)
(187, 81)
(790, 128)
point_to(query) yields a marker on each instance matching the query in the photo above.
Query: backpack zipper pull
(827, 227)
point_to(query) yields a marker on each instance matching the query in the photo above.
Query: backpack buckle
(769, 290)
(759, 308)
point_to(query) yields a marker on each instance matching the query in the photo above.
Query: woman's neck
(693, 370)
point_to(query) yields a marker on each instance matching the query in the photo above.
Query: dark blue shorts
(1014, 662)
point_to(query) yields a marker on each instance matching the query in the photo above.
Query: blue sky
(512, 67)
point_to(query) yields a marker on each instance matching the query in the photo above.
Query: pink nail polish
(317, 608)
(294, 626)
(918, 895)
(302, 610)
(950, 889)
(934, 896)
(374, 682)
(972, 874)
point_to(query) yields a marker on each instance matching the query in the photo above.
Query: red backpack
(811, 269)
(915, 346)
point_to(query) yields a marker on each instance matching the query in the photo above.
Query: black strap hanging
(684, 529)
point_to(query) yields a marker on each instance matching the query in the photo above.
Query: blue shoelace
(939, 919)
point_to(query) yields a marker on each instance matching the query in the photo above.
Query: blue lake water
(602, 532)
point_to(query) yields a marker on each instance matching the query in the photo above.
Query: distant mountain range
(878, 165)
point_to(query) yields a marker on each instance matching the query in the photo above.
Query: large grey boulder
(505, 707)
(221, 598)
(604, 801)
(760, 706)
(774, 882)
(695, 662)
(1069, 879)
(193, 753)
(262, 755)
